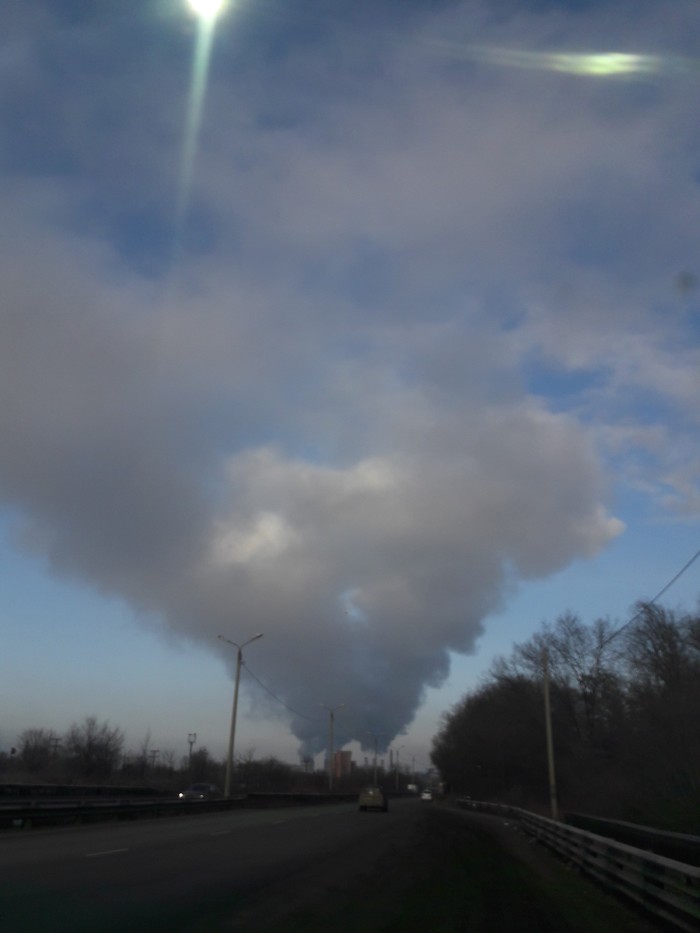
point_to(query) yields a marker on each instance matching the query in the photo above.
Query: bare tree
(37, 747)
(664, 696)
(584, 664)
(660, 647)
(587, 657)
(167, 759)
(204, 767)
(624, 719)
(93, 748)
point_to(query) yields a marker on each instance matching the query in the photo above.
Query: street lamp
(331, 711)
(232, 734)
(191, 739)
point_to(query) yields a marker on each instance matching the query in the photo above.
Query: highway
(181, 872)
(302, 869)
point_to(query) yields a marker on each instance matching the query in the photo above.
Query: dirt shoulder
(581, 904)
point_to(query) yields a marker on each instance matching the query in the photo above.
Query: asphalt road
(178, 873)
(298, 870)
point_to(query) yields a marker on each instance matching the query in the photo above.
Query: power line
(679, 574)
(279, 699)
(291, 709)
(652, 602)
(340, 731)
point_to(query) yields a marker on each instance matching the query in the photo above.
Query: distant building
(342, 764)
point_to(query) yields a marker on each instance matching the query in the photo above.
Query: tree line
(624, 712)
(93, 752)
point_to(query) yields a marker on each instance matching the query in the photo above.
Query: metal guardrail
(36, 813)
(664, 887)
(679, 846)
(44, 812)
(18, 792)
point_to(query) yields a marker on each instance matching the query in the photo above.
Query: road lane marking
(105, 852)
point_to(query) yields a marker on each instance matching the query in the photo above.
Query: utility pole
(375, 737)
(191, 738)
(234, 712)
(331, 720)
(554, 808)
(396, 763)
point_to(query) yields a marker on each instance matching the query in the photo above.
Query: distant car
(200, 792)
(426, 795)
(373, 798)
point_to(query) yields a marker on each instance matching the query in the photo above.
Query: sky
(372, 327)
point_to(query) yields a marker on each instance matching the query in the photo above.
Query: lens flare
(594, 65)
(207, 12)
(601, 65)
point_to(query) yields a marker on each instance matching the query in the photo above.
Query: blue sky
(401, 364)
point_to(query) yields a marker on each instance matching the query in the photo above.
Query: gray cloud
(319, 425)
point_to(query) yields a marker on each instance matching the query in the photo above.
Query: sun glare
(207, 9)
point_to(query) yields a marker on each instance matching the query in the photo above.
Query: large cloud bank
(367, 402)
